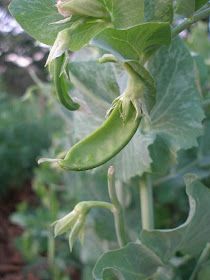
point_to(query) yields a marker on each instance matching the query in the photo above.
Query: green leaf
(99, 79)
(159, 10)
(177, 115)
(37, 18)
(161, 156)
(135, 158)
(81, 35)
(188, 7)
(76, 36)
(136, 43)
(204, 272)
(96, 87)
(133, 262)
(125, 14)
(200, 3)
(191, 237)
(185, 7)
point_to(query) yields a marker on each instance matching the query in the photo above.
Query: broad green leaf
(81, 35)
(76, 36)
(37, 18)
(166, 273)
(196, 161)
(174, 119)
(188, 7)
(204, 272)
(200, 3)
(191, 237)
(125, 14)
(135, 158)
(177, 115)
(162, 157)
(98, 78)
(159, 10)
(136, 43)
(96, 87)
(185, 7)
(133, 262)
(202, 69)
(204, 147)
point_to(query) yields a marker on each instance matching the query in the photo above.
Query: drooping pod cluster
(114, 134)
(127, 110)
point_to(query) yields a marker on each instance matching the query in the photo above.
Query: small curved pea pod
(61, 85)
(105, 142)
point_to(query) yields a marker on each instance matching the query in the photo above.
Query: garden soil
(12, 265)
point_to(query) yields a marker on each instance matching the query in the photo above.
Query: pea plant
(140, 81)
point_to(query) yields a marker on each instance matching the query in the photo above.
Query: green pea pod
(61, 85)
(105, 142)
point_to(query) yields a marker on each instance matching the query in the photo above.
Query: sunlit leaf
(191, 237)
(133, 262)
(37, 18)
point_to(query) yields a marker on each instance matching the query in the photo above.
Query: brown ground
(11, 262)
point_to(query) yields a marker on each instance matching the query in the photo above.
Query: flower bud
(77, 231)
(73, 223)
(65, 224)
(92, 8)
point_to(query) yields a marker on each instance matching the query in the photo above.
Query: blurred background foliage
(33, 125)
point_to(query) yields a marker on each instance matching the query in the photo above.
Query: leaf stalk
(147, 207)
(189, 21)
(118, 211)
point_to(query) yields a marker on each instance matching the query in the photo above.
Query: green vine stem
(51, 255)
(97, 204)
(52, 207)
(118, 211)
(188, 22)
(203, 257)
(147, 207)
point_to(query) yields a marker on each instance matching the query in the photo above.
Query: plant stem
(118, 211)
(98, 204)
(51, 255)
(203, 257)
(188, 22)
(147, 208)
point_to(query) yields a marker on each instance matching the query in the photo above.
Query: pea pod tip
(43, 160)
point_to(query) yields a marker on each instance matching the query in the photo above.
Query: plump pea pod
(105, 142)
(61, 85)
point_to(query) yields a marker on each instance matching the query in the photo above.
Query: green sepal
(64, 224)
